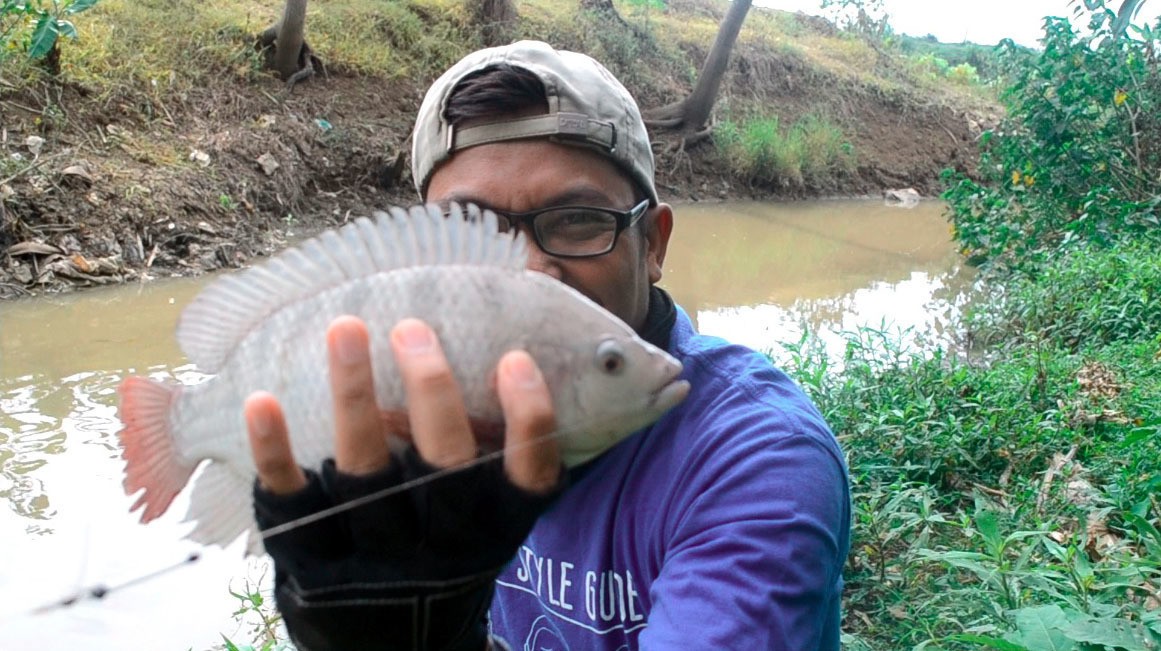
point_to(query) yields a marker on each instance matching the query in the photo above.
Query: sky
(980, 21)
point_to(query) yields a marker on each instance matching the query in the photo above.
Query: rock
(200, 157)
(34, 144)
(23, 274)
(77, 173)
(268, 164)
(69, 243)
(903, 198)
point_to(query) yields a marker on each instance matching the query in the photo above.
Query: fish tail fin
(152, 463)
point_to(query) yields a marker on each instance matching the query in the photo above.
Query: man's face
(523, 175)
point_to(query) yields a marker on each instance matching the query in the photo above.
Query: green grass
(1094, 297)
(809, 151)
(129, 43)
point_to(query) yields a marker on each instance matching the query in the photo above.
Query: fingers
(531, 457)
(360, 440)
(278, 473)
(439, 421)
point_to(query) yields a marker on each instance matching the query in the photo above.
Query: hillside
(164, 148)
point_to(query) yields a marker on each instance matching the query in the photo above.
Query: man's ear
(660, 225)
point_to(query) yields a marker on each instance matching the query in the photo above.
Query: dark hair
(496, 91)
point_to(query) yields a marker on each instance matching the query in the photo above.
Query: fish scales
(263, 329)
(453, 300)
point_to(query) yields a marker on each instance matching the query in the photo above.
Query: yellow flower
(1029, 180)
(1015, 177)
(1120, 97)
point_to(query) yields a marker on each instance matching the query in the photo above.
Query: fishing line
(100, 591)
(408, 485)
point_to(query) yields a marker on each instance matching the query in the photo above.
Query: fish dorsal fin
(229, 308)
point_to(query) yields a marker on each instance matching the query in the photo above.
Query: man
(723, 525)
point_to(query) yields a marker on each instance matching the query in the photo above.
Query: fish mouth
(672, 392)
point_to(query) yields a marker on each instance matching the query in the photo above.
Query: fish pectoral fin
(220, 506)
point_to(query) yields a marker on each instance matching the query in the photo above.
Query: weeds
(256, 612)
(936, 68)
(1058, 303)
(1011, 504)
(808, 152)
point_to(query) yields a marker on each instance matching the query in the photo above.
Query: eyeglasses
(574, 231)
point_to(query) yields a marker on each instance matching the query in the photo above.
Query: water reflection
(760, 274)
(754, 273)
(64, 521)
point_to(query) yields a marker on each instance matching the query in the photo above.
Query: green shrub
(823, 149)
(964, 74)
(1078, 157)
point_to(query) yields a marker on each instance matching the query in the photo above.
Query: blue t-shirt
(726, 524)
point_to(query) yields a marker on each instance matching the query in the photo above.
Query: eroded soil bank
(97, 190)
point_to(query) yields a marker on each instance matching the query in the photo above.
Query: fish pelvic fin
(224, 313)
(220, 509)
(152, 462)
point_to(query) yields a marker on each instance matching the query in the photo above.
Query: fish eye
(610, 357)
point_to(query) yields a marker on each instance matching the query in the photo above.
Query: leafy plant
(1078, 157)
(37, 26)
(259, 613)
(866, 18)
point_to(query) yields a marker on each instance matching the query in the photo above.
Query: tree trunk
(691, 114)
(495, 18)
(285, 46)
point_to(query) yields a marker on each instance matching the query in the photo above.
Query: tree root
(308, 61)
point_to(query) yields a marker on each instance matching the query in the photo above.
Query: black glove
(412, 571)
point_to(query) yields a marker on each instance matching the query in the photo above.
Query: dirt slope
(96, 191)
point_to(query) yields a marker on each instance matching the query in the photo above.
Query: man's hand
(413, 570)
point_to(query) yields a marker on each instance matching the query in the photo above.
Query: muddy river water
(754, 273)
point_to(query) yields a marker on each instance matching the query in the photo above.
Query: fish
(263, 329)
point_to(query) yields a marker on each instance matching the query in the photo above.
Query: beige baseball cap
(587, 107)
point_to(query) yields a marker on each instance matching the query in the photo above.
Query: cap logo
(573, 124)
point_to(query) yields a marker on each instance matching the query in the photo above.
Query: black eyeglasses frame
(625, 219)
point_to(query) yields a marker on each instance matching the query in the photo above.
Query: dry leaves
(1098, 381)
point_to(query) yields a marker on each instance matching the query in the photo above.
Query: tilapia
(263, 329)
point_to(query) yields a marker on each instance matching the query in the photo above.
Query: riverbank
(158, 153)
